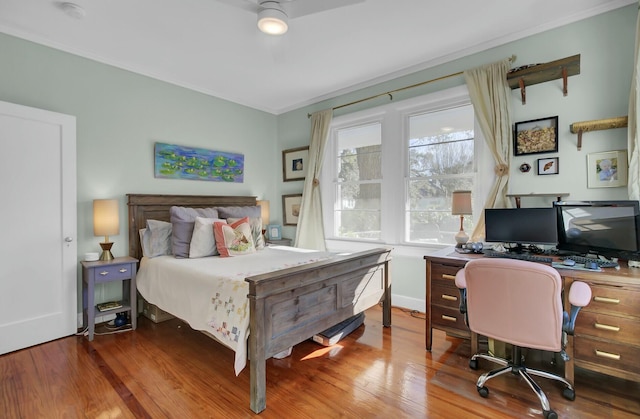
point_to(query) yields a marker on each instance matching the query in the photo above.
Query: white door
(38, 272)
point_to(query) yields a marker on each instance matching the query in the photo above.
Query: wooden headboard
(143, 207)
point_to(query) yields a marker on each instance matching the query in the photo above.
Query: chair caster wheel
(569, 394)
(483, 391)
(550, 414)
(473, 364)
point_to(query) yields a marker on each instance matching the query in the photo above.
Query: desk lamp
(105, 223)
(461, 205)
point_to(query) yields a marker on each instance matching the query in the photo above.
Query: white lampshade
(272, 19)
(461, 203)
(105, 217)
(106, 223)
(264, 212)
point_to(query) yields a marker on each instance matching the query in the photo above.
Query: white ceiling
(215, 48)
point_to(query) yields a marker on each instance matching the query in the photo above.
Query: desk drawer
(444, 294)
(443, 272)
(608, 327)
(448, 317)
(614, 300)
(610, 354)
(113, 272)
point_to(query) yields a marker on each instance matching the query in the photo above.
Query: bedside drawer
(613, 355)
(608, 327)
(614, 300)
(444, 294)
(448, 317)
(113, 272)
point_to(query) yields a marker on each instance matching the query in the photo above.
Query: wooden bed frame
(290, 305)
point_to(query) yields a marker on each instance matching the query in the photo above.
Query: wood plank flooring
(167, 370)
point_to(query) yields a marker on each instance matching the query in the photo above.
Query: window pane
(359, 156)
(358, 211)
(441, 160)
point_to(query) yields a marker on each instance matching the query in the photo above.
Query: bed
(289, 305)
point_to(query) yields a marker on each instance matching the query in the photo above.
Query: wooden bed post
(257, 357)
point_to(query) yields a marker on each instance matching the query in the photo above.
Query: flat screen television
(607, 228)
(518, 227)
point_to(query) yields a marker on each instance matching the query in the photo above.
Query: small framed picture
(548, 166)
(607, 169)
(291, 208)
(536, 136)
(294, 163)
(274, 232)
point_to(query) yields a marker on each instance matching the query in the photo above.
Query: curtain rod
(391, 92)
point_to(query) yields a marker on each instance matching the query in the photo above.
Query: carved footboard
(291, 305)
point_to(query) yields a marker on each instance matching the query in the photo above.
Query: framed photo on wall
(294, 163)
(536, 136)
(291, 209)
(548, 166)
(607, 169)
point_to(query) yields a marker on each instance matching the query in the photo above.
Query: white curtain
(310, 232)
(633, 144)
(491, 98)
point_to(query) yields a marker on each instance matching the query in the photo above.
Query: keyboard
(584, 260)
(519, 256)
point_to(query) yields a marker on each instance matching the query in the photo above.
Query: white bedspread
(211, 294)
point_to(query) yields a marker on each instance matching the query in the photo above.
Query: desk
(607, 332)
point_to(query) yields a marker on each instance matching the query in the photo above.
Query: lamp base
(106, 251)
(461, 239)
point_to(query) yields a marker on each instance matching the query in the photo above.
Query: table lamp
(264, 214)
(105, 223)
(461, 205)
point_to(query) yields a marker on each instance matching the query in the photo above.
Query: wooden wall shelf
(540, 73)
(598, 124)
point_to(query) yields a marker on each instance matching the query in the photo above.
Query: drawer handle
(103, 273)
(449, 297)
(607, 300)
(447, 276)
(607, 355)
(606, 327)
(449, 318)
(123, 270)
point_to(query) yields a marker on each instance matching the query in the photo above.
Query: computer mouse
(569, 262)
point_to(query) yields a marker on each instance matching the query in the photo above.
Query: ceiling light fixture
(73, 10)
(272, 19)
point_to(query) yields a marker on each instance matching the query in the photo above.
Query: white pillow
(145, 237)
(256, 230)
(203, 242)
(160, 238)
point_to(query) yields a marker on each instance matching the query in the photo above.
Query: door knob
(68, 239)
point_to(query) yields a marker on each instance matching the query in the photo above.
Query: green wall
(601, 90)
(120, 115)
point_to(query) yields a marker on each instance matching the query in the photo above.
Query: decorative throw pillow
(203, 242)
(256, 230)
(159, 239)
(234, 239)
(183, 221)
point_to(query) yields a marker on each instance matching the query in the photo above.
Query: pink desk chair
(520, 303)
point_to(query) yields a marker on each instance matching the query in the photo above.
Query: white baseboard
(409, 303)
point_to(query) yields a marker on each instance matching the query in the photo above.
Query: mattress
(210, 293)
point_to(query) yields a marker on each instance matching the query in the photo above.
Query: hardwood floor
(167, 370)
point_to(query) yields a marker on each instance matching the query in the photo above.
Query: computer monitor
(517, 227)
(607, 228)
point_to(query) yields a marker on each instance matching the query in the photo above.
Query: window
(359, 181)
(441, 160)
(389, 172)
